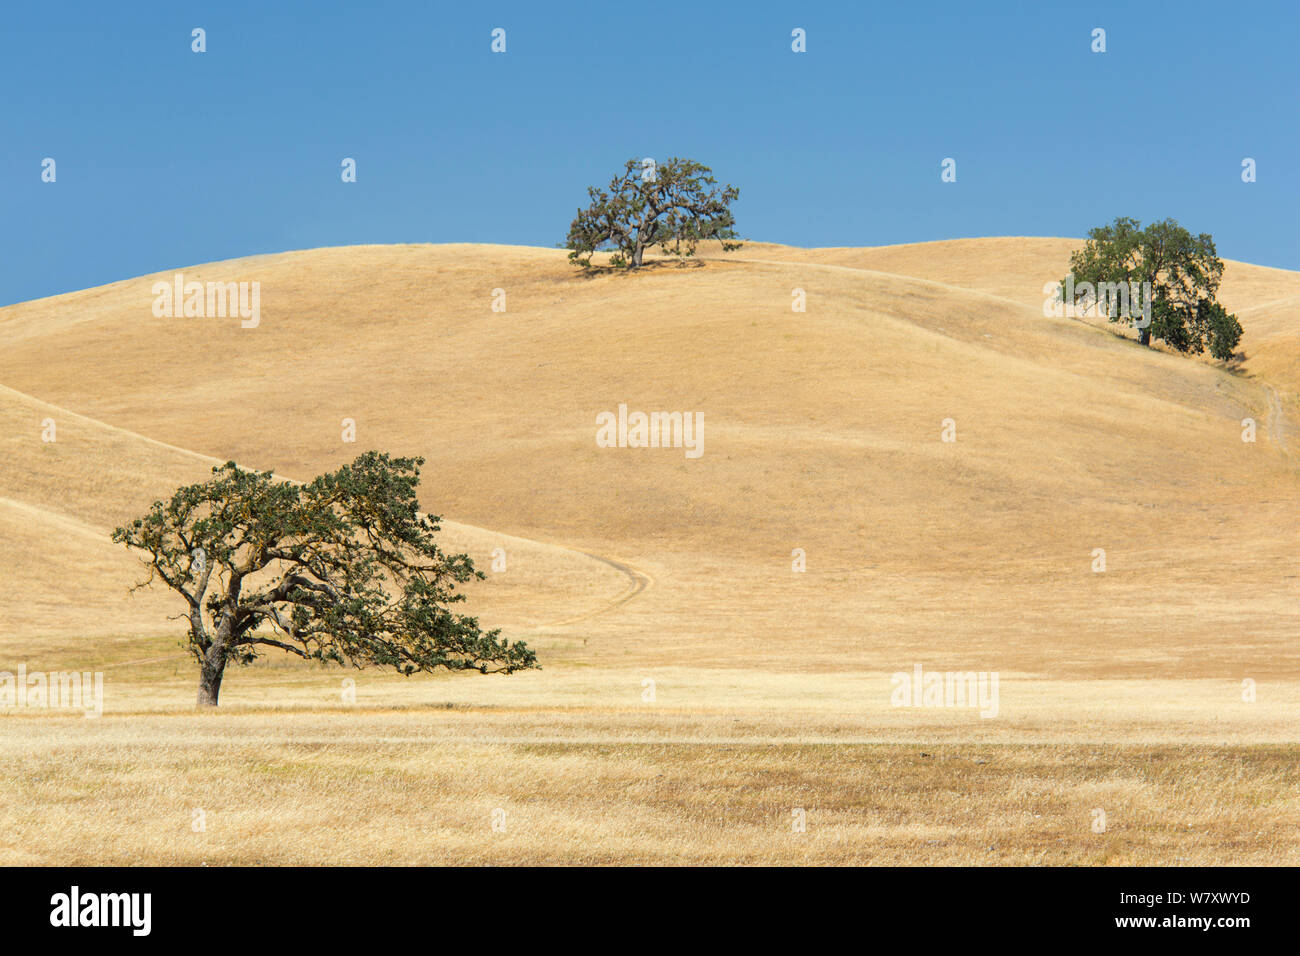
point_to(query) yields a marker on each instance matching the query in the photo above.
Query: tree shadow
(594, 271)
(1234, 366)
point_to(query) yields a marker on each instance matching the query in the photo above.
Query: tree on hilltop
(673, 205)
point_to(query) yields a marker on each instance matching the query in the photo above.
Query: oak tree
(1181, 271)
(673, 205)
(344, 569)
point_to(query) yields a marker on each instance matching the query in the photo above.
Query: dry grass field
(696, 691)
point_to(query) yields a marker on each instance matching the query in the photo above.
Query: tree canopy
(672, 205)
(344, 569)
(1183, 272)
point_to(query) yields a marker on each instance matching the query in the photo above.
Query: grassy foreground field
(697, 692)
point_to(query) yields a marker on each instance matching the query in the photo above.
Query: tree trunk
(637, 254)
(214, 665)
(1149, 283)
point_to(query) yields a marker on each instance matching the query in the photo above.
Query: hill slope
(822, 433)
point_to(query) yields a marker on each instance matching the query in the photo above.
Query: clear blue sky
(167, 158)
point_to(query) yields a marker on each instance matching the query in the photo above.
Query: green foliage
(674, 209)
(1184, 273)
(344, 570)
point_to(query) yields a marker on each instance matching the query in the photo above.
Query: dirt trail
(638, 582)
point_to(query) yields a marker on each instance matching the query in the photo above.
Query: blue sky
(168, 158)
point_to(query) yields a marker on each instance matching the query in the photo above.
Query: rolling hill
(822, 433)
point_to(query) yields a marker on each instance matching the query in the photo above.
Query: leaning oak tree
(343, 569)
(1183, 271)
(672, 205)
